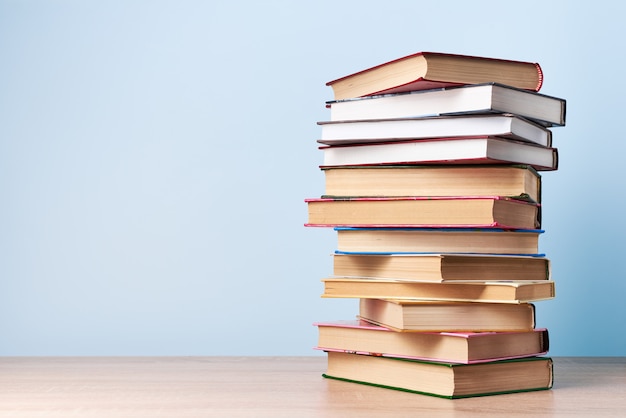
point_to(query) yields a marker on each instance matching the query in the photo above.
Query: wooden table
(291, 387)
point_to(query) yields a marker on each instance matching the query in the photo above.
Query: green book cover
(381, 371)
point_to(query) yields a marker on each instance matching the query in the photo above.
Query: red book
(431, 212)
(428, 70)
(358, 336)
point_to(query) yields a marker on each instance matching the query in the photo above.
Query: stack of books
(432, 169)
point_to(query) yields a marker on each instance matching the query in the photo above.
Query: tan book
(406, 315)
(441, 267)
(358, 336)
(438, 240)
(494, 212)
(495, 292)
(428, 70)
(446, 380)
(521, 182)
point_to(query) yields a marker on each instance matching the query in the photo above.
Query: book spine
(540, 74)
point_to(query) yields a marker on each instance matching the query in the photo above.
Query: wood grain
(275, 387)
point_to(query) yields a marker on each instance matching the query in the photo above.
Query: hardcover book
(468, 99)
(493, 292)
(462, 126)
(447, 380)
(516, 181)
(442, 151)
(483, 211)
(359, 336)
(438, 240)
(408, 315)
(428, 70)
(441, 268)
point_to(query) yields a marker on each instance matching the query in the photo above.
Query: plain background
(155, 157)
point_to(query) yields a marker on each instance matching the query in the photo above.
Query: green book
(445, 380)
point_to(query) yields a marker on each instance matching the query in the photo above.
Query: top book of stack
(429, 70)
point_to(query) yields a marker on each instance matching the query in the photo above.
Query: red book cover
(397, 84)
(356, 344)
(321, 214)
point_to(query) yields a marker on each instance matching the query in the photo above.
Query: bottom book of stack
(447, 380)
(444, 364)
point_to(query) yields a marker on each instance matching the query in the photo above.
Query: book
(518, 181)
(495, 292)
(428, 70)
(442, 151)
(441, 268)
(438, 240)
(447, 380)
(405, 315)
(358, 336)
(462, 126)
(469, 99)
(480, 211)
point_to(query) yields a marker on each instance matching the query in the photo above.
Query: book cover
(438, 240)
(423, 211)
(441, 267)
(493, 291)
(442, 316)
(442, 151)
(462, 126)
(429, 70)
(446, 380)
(516, 181)
(484, 98)
(363, 337)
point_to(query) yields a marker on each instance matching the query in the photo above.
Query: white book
(485, 150)
(379, 130)
(477, 98)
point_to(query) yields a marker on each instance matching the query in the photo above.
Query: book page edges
(547, 387)
(426, 54)
(430, 359)
(362, 324)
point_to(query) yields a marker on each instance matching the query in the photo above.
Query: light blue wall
(155, 155)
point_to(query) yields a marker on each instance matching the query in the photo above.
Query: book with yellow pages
(411, 315)
(514, 181)
(441, 267)
(424, 211)
(359, 336)
(428, 70)
(496, 292)
(446, 380)
(438, 240)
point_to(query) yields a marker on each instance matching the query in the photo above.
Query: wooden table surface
(275, 387)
